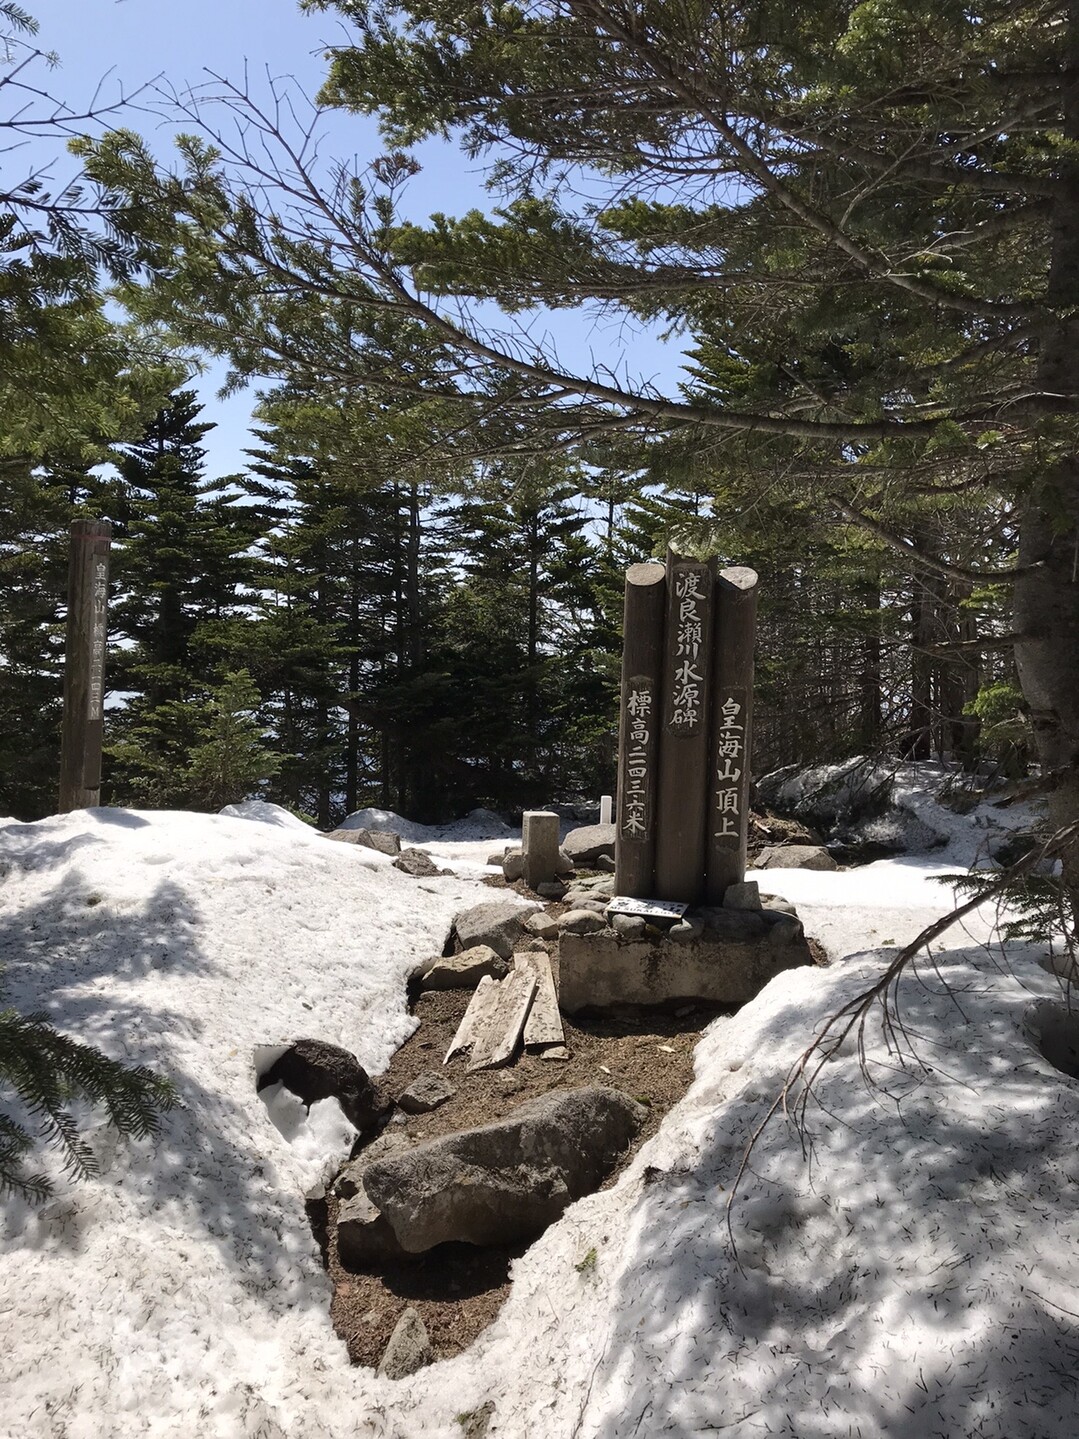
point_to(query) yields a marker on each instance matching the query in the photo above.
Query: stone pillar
(638, 730)
(606, 809)
(732, 717)
(539, 834)
(684, 743)
(84, 665)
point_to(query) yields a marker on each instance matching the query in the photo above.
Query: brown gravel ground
(458, 1289)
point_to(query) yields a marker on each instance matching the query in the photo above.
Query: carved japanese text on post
(730, 765)
(692, 590)
(638, 721)
(98, 621)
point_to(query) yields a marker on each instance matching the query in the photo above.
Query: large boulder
(830, 796)
(504, 1181)
(585, 845)
(314, 1070)
(497, 925)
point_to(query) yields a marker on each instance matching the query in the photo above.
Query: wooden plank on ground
(498, 1041)
(544, 1023)
(474, 1020)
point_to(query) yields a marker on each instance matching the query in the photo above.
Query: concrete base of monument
(721, 956)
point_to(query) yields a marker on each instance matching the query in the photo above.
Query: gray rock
(896, 832)
(497, 856)
(686, 930)
(605, 862)
(581, 921)
(513, 864)
(777, 902)
(508, 1180)
(585, 845)
(314, 1070)
(427, 1091)
(746, 895)
(418, 863)
(409, 1348)
(349, 1181)
(795, 856)
(830, 795)
(541, 925)
(497, 925)
(630, 926)
(464, 970)
(551, 889)
(565, 864)
(364, 1237)
(381, 840)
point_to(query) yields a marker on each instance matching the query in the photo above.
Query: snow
(917, 1275)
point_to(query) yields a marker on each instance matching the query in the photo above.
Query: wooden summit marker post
(84, 665)
(684, 746)
(732, 717)
(638, 730)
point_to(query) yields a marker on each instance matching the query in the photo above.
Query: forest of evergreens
(411, 595)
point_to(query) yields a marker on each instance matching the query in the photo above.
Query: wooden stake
(638, 730)
(732, 718)
(84, 665)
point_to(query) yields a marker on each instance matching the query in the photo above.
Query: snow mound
(267, 813)
(918, 1277)
(476, 825)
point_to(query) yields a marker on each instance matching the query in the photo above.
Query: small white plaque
(647, 908)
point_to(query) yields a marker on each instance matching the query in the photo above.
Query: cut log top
(739, 577)
(647, 573)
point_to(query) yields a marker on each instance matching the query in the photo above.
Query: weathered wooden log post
(682, 801)
(638, 730)
(84, 665)
(732, 717)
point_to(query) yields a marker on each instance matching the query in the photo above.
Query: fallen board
(495, 1044)
(544, 1023)
(474, 1020)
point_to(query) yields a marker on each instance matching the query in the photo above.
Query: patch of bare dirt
(458, 1289)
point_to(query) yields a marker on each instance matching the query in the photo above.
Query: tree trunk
(1047, 599)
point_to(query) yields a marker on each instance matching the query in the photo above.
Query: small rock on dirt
(464, 970)
(313, 1069)
(409, 1348)
(541, 925)
(746, 895)
(426, 1092)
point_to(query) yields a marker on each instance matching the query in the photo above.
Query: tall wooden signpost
(84, 665)
(685, 730)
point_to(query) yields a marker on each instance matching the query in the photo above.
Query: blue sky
(119, 45)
